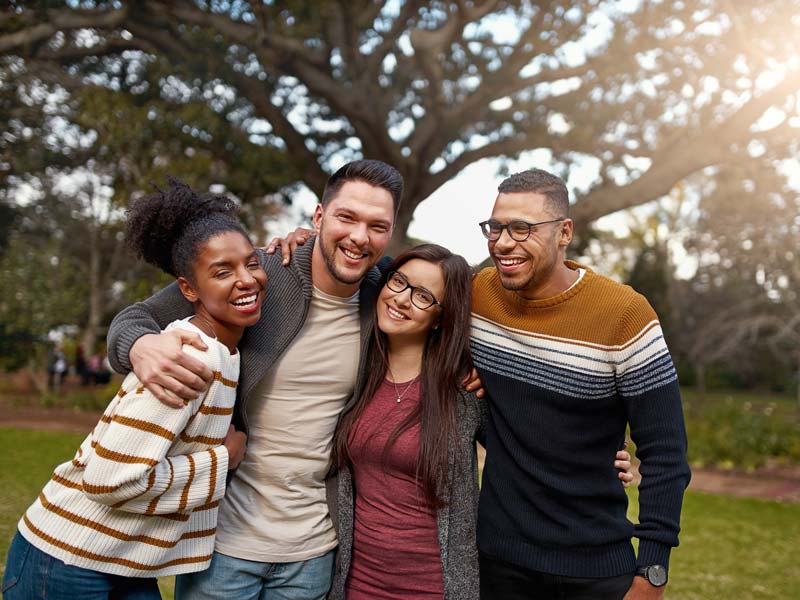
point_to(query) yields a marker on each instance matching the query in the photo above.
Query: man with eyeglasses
(568, 359)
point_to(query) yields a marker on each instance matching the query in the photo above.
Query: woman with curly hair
(139, 499)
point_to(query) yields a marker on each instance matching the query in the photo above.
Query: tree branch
(62, 20)
(673, 162)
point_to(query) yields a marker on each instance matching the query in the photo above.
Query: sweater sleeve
(150, 316)
(129, 467)
(648, 385)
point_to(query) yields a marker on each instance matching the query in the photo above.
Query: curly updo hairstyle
(168, 228)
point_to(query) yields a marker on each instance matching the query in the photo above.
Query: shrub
(741, 434)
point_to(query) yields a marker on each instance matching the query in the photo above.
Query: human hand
(472, 383)
(623, 463)
(171, 375)
(290, 243)
(236, 444)
(641, 589)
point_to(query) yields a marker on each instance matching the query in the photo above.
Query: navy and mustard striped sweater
(564, 376)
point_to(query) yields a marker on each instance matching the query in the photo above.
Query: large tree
(655, 91)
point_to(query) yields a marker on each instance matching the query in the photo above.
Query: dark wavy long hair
(445, 361)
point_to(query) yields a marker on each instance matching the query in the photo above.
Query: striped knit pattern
(140, 497)
(565, 375)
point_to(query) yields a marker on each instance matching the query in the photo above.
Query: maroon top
(395, 538)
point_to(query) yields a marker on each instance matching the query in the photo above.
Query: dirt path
(770, 483)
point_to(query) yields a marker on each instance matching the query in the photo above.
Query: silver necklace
(398, 394)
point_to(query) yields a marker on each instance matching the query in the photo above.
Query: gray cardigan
(455, 521)
(283, 313)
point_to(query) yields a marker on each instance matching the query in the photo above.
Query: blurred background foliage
(680, 120)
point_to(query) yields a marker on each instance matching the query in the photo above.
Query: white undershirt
(581, 273)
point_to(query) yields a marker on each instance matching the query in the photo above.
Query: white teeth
(351, 254)
(247, 300)
(396, 314)
(510, 262)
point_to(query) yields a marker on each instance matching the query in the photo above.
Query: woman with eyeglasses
(408, 476)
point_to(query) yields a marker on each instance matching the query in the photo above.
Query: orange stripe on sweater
(111, 559)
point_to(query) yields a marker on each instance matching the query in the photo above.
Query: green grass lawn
(730, 548)
(31, 457)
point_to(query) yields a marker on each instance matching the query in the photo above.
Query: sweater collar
(516, 300)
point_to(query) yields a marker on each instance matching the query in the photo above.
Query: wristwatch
(655, 574)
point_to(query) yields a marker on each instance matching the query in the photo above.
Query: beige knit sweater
(140, 497)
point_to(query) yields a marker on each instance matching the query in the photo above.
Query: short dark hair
(373, 172)
(168, 228)
(538, 181)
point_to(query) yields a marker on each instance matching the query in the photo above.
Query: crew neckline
(517, 300)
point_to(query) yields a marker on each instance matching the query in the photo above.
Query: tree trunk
(95, 295)
(400, 240)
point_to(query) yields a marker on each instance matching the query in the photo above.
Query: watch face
(657, 575)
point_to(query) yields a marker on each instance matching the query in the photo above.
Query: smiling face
(353, 229)
(530, 267)
(398, 317)
(227, 285)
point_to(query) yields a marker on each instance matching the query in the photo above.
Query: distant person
(99, 369)
(140, 497)
(57, 367)
(569, 359)
(81, 367)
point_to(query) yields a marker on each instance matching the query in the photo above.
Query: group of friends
(301, 424)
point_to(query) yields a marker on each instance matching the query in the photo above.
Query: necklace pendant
(398, 399)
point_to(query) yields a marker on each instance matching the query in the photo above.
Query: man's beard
(329, 255)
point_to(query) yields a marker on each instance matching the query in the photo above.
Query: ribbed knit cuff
(125, 338)
(222, 471)
(653, 553)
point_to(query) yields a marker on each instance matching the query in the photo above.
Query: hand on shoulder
(171, 375)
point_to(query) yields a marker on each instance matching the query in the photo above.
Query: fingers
(270, 248)
(165, 396)
(191, 372)
(193, 339)
(171, 375)
(290, 243)
(301, 236)
(236, 443)
(480, 393)
(623, 463)
(471, 381)
(288, 247)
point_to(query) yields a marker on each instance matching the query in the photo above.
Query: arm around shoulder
(149, 316)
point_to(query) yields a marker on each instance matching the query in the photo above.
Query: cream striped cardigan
(140, 497)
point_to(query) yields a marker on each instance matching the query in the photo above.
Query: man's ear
(565, 233)
(187, 289)
(317, 218)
